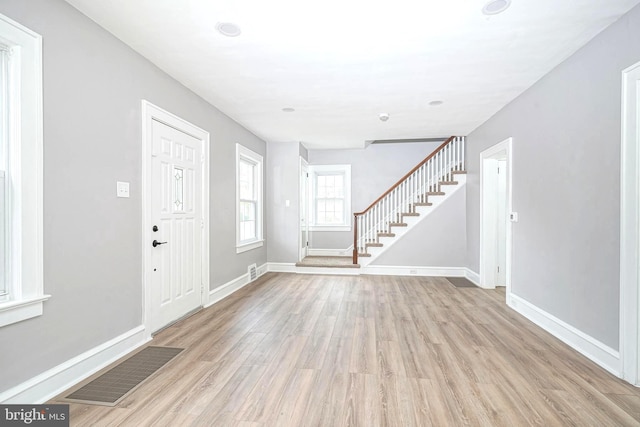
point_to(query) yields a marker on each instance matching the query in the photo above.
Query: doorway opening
(304, 210)
(496, 216)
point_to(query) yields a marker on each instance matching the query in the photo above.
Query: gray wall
(566, 183)
(373, 170)
(93, 85)
(438, 241)
(283, 167)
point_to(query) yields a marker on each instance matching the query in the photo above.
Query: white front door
(176, 224)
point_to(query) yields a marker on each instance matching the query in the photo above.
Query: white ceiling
(340, 63)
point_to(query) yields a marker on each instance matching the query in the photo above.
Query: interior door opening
(495, 247)
(304, 210)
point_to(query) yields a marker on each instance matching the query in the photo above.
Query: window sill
(17, 311)
(249, 246)
(329, 228)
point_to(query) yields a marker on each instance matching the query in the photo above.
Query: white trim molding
(472, 276)
(487, 245)
(256, 162)
(377, 270)
(282, 267)
(21, 143)
(630, 226)
(323, 170)
(289, 267)
(223, 291)
(49, 384)
(395, 270)
(26, 308)
(588, 346)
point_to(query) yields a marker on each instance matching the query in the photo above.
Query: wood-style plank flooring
(304, 350)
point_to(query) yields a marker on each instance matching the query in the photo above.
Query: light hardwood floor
(298, 350)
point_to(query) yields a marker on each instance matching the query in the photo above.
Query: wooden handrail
(393, 187)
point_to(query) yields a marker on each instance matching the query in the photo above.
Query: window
(21, 282)
(331, 197)
(249, 199)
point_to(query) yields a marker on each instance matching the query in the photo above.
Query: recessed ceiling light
(288, 109)
(495, 6)
(228, 29)
(383, 117)
(435, 103)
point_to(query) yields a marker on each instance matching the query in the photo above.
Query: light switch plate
(122, 189)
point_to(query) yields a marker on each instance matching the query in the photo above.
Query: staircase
(409, 201)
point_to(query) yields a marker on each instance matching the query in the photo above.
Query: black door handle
(156, 243)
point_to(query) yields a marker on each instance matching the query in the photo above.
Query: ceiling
(341, 63)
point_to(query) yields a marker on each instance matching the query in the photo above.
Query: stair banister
(402, 194)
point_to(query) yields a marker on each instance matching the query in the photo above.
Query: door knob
(156, 243)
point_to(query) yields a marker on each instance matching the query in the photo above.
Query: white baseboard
(380, 270)
(330, 252)
(472, 276)
(588, 346)
(232, 286)
(333, 271)
(49, 384)
(282, 267)
(286, 267)
(392, 270)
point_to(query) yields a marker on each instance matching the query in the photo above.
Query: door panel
(177, 211)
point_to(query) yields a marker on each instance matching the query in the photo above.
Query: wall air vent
(253, 272)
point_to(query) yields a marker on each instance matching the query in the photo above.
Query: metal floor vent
(115, 384)
(253, 272)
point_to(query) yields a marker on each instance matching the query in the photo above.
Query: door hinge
(498, 269)
(498, 171)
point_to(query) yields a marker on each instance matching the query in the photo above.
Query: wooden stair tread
(398, 224)
(364, 255)
(411, 214)
(435, 193)
(448, 182)
(374, 245)
(423, 204)
(386, 234)
(459, 172)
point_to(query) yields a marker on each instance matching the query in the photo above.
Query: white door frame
(304, 204)
(486, 245)
(630, 227)
(151, 112)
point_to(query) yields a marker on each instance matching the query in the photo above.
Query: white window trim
(25, 204)
(244, 246)
(314, 170)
